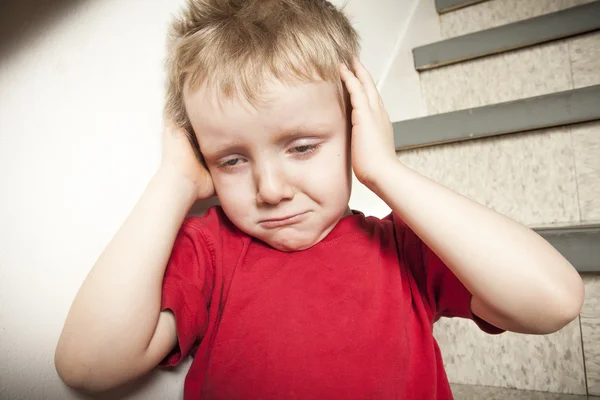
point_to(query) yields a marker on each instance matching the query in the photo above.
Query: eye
(304, 149)
(231, 163)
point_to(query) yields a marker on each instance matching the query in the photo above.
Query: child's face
(282, 170)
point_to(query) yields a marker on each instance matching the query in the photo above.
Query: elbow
(90, 372)
(568, 309)
(574, 299)
(75, 371)
(68, 371)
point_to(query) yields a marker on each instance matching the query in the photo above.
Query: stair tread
(558, 25)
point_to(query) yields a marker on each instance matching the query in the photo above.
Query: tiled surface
(538, 178)
(470, 392)
(585, 59)
(508, 76)
(551, 363)
(445, 164)
(590, 327)
(490, 14)
(529, 177)
(586, 145)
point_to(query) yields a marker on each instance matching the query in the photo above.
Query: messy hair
(235, 46)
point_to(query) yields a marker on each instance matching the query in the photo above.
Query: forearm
(501, 262)
(116, 310)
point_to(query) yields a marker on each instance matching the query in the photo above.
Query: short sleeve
(186, 290)
(442, 290)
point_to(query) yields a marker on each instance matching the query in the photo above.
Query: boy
(283, 292)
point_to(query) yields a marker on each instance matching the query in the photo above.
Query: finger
(367, 82)
(358, 96)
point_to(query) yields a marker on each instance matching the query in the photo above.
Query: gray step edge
(540, 112)
(579, 245)
(558, 25)
(445, 6)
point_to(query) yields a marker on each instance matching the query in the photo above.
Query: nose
(273, 185)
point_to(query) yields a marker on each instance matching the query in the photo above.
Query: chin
(290, 242)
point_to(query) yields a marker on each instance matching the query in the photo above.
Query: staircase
(500, 101)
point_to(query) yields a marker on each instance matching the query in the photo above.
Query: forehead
(282, 107)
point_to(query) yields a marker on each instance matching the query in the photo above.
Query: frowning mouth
(288, 220)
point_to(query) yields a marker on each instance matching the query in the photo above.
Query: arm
(114, 331)
(519, 282)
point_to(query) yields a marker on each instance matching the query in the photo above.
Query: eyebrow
(292, 133)
(287, 135)
(223, 150)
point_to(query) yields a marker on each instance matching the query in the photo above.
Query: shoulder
(395, 233)
(213, 223)
(359, 228)
(205, 243)
(384, 226)
(214, 231)
(403, 234)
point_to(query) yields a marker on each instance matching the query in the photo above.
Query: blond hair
(235, 45)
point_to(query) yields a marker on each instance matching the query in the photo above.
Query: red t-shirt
(349, 318)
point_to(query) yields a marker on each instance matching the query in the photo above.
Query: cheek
(331, 173)
(232, 192)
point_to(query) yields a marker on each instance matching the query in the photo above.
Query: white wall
(379, 23)
(401, 88)
(80, 121)
(399, 82)
(80, 117)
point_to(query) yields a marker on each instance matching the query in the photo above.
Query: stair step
(477, 392)
(556, 109)
(558, 25)
(580, 245)
(444, 6)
